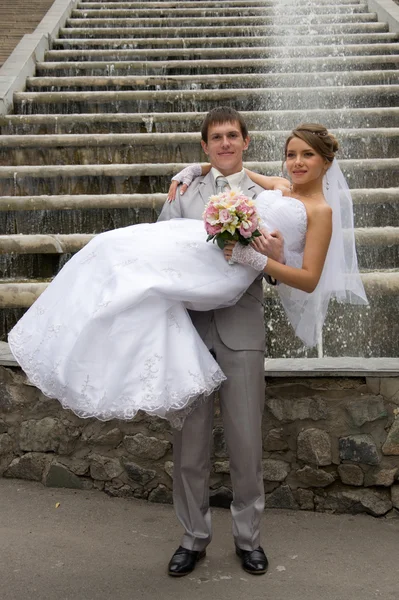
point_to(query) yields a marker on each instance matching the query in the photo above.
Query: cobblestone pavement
(93, 547)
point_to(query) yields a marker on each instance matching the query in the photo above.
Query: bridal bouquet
(231, 216)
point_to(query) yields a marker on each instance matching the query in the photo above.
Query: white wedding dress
(111, 334)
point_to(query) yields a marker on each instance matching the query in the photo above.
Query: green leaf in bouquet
(244, 241)
(223, 238)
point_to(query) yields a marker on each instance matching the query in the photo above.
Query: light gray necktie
(221, 184)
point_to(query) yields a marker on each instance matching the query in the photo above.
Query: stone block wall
(330, 444)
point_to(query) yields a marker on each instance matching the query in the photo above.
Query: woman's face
(304, 164)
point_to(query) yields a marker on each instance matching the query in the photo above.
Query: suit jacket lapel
(249, 187)
(206, 187)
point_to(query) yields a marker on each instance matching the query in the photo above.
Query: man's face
(225, 147)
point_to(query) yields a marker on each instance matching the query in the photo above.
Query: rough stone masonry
(330, 444)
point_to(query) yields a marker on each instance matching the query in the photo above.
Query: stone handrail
(22, 62)
(387, 11)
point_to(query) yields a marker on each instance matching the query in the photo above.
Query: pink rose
(243, 208)
(253, 223)
(245, 232)
(225, 216)
(212, 229)
(211, 212)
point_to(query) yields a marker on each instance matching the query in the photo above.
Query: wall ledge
(345, 366)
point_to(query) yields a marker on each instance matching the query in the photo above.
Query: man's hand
(228, 250)
(270, 245)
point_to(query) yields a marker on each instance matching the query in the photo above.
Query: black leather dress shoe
(183, 561)
(253, 561)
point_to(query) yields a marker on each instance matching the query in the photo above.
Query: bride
(111, 334)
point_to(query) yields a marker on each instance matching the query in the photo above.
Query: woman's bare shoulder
(319, 210)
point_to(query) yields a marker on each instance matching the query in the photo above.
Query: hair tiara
(321, 134)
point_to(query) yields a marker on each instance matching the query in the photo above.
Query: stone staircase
(115, 109)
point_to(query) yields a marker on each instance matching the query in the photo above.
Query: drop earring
(326, 181)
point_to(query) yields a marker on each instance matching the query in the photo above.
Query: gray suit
(236, 337)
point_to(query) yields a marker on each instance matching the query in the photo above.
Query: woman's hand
(244, 255)
(185, 177)
(270, 245)
(173, 188)
(284, 187)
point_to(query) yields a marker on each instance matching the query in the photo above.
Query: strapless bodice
(286, 214)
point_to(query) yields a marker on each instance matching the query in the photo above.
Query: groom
(236, 338)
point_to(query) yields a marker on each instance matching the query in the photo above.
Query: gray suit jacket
(241, 327)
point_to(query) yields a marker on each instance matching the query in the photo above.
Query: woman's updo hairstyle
(317, 137)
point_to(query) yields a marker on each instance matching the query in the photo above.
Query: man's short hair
(219, 115)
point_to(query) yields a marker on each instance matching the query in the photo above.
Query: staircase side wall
(21, 63)
(387, 11)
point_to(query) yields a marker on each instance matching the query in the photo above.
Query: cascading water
(117, 105)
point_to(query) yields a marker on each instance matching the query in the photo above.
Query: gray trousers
(241, 403)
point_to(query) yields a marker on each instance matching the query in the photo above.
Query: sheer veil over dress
(111, 334)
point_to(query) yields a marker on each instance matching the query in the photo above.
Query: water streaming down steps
(115, 108)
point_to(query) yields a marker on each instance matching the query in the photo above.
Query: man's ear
(204, 147)
(246, 142)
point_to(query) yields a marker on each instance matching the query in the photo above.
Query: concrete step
(234, 41)
(16, 294)
(203, 100)
(218, 42)
(377, 247)
(213, 12)
(140, 148)
(94, 213)
(37, 254)
(43, 244)
(371, 337)
(376, 207)
(111, 4)
(115, 65)
(367, 198)
(89, 201)
(215, 82)
(304, 18)
(208, 69)
(200, 54)
(239, 30)
(22, 294)
(39, 124)
(370, 237)
(139, 178)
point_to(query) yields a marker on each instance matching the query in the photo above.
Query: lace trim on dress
(173, 405)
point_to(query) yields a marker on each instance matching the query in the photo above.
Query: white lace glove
(245, 255)
(188, 174)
